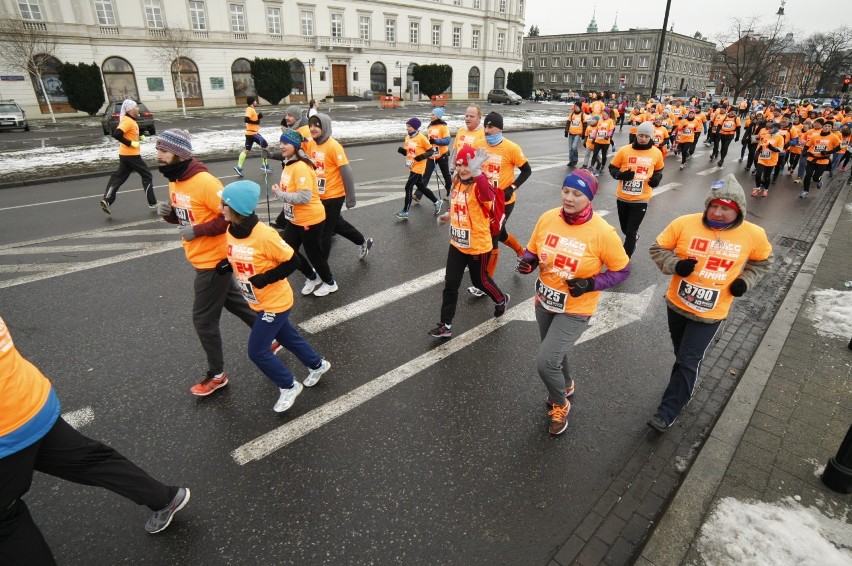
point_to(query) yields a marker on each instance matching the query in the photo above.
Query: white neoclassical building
(335, 47)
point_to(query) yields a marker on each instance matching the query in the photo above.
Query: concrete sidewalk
(788, 414)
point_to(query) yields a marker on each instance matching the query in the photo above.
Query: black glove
(259, 116)
(737, 138)
(432, 140)
(259, 281)
(655, 179)
(224, 267)
(685, 267)
(626, 175)
(577, 287)
(401, 151)
(566, 133)
(526, 266)
(508, 192)
(420, 157)
(738, 287)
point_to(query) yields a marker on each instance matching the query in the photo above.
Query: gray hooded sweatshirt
(345, 170)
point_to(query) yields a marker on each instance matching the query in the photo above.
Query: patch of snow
(831, 312)
(848, 207)
(819, 467)
(769, 534)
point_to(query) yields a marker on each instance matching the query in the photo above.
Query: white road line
(368, 304)
(97, 196)
(153, 232)
(94, 247)
(96, 233)
(66, 268)
(664, 188)
(80, 417)
(290, 432)
(710, 171)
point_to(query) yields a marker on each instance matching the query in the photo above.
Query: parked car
(568, 97)
(109, 120)
(12, 116)
(504, 95)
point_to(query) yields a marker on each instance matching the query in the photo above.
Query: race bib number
(687, 131)
(699, 299)
(409, 163)
(727, 125)
(821, 148)
(550, 298)
(182, 216)
(602, 134)
(247, 289)
(289, 213)
(765, 154)
(321, 185)
(633, 187)
(460, 236)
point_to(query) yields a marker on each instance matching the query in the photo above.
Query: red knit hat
(726, 202)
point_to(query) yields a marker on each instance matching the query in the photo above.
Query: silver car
(504, 95)
(12, 116)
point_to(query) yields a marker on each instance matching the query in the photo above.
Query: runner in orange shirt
(685, 132)
(820, 148)
(768, 149)
(575, 130)
(252, 119)
(261, 261)
(195, 206)
(416, 149)
(129, 158)
(727, 130)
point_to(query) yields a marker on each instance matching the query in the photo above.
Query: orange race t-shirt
(329, 157)
(196, 201)
(643, 162)
(131, 131)
(501, 163)
(261, 251)
(299, 176)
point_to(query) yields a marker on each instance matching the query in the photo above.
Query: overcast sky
(564, 16)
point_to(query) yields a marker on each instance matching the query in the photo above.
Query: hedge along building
(619, 61)
(354, 46)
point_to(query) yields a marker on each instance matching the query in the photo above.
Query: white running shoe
(288, 397)
(476, 291)
(325, 289)
(311, 285)
(316, 374)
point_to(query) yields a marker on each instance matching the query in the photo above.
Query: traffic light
(846, 80)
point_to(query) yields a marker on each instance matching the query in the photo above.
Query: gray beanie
(645, 129)
(293, 111)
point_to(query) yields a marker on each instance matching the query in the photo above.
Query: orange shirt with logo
(501, 163)
(605, 128)
(131, 131)
(575, 123)
(470, 222)
(329, 157)
(766, 156)
(439, 131)
(686, 130)
(819, 143)
(296, 177)
(196, 201)
(644, 163)
(261, 251)
(251, 114)
(416, 145)
(23, 388)
(569, 252)
(721, 256)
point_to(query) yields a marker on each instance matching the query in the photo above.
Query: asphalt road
(407, 452)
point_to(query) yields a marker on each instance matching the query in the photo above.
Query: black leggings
(630, 216)
(311, 238)
(443, 164)
(601, 150)
(477, 265)
(793, 162)
(416, 180)
(752, 150)
(127, 164)
(725, 142)
(686, 149)
(335, 224)
(762, 176)
(814, 172)
(66, 454)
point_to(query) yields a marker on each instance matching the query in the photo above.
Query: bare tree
(750, 53)
(174, 45)
(827, 56)
(28, 47)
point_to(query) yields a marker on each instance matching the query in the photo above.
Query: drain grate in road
(793, 243)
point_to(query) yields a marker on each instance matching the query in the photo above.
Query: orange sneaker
(209, 384)
(559, 418)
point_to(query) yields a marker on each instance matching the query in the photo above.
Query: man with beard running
(195, 206)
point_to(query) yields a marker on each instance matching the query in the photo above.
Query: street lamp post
(311, 62)
(399, 66)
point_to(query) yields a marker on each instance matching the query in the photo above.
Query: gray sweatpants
(558, 334)
(213, 292)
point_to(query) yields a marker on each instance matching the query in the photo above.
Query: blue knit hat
(583, 181)
(414, 123)
(438, 112)
(241, 196)
(292, 137)
(175, 141)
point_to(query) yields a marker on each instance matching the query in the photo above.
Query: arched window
(379, 78)
(243, 83)
(186, 80)
(52, 84)
(297, 70)
(119, 80)
(500, 78)
(473, 83)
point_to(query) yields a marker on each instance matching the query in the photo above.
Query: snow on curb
(769, 534)
(831, 312)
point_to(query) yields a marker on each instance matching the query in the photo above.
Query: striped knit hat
(175, 141)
